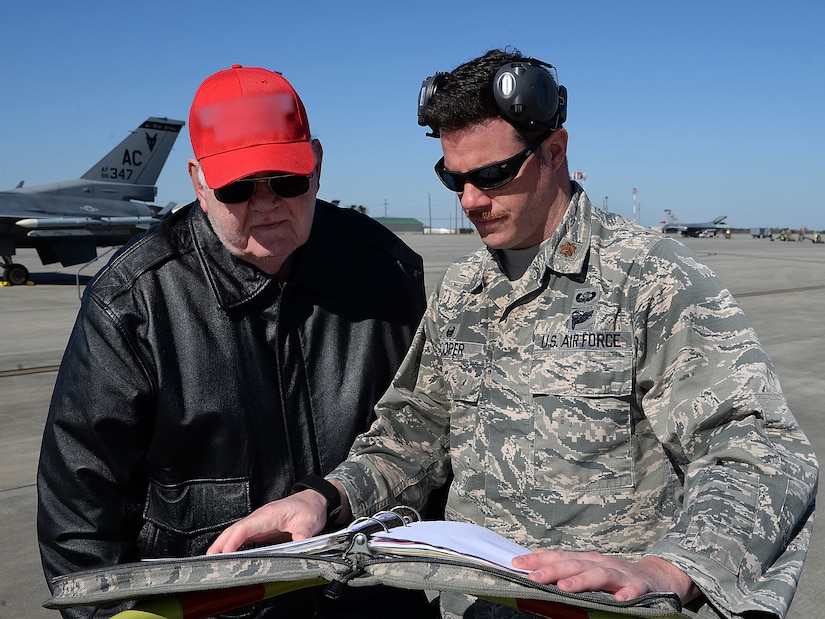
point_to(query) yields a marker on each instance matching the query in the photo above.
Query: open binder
(391, 548)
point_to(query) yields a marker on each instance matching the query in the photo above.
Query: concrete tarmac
(780, 285)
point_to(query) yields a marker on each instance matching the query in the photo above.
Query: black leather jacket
(195, 388)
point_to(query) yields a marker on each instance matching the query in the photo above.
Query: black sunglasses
(490, 176)
(283, 185)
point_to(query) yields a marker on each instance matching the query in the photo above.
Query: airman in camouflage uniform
(611, 398)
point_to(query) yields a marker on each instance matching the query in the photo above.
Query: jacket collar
(235, 282)
(232, 280)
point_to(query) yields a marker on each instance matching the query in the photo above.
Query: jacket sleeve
(749, 473)
(90, 485)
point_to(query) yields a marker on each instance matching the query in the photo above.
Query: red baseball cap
(245, 121)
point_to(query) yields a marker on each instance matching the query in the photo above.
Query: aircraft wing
(69, 238)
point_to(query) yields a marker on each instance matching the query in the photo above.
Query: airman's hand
(576, 572)
(300, 515)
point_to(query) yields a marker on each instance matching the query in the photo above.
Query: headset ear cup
(506, 93)
(527, 95)
(428, 88)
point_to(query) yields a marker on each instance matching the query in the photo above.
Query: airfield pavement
(781, 287)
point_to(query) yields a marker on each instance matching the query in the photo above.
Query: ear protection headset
(525, 93)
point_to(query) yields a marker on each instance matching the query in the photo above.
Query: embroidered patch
(581, 318)
(452, 348)
(468, 351)
(585, 296)
(585, 340)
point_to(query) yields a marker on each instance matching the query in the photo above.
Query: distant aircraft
(709, 228)
(67, 221)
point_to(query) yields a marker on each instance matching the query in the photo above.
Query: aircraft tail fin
(671, 218)
(138, 159)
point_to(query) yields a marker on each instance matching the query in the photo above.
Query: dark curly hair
(464, 96)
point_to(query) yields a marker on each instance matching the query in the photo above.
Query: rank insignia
(568, 249)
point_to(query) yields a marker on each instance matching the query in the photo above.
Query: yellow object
(201, 604)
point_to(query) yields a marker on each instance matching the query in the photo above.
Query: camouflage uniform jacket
(615, 399)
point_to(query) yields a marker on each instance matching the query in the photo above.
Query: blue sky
(708, 107)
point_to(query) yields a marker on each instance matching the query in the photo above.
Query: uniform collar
(564, 252)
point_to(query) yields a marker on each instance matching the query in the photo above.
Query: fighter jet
(709, 228)
(67, 221)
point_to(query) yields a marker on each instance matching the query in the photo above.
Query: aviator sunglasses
(283, 185)
(490, 176)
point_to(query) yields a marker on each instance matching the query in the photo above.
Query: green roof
(398, 220)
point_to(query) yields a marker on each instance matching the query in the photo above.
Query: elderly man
(228, 357)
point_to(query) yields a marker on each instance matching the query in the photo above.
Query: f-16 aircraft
(708, 228)
(67, 221)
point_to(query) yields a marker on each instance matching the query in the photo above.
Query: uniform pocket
(463, 380)
(582, 419)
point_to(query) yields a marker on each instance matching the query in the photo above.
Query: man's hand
(302, 515)
(576, 572)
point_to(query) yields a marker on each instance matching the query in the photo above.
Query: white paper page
(461, 537)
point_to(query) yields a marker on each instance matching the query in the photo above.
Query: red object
(201, 604)
(552, 610)
(247, 120)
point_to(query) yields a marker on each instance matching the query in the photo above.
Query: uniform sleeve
(713, 397)
(90, 486)
(405, 453)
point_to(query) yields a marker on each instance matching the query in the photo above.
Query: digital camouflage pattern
(152, 584)
(616, 399)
